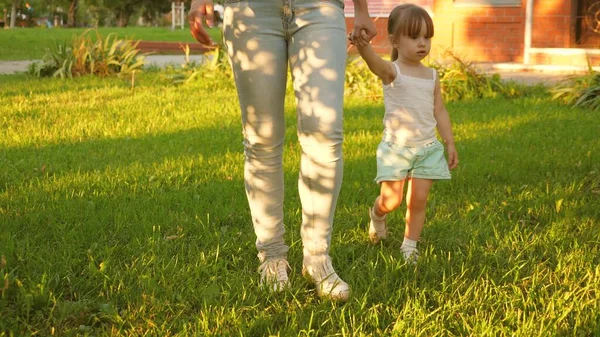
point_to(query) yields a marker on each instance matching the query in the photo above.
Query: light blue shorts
(398, 162)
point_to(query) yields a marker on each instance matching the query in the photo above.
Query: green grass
(122, 212)
(32, 43)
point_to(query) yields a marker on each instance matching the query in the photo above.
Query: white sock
(375, 213)
(409, 250)
(409, 245)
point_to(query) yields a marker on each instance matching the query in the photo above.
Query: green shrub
(460, 80)
(580, 91)
(57, 62)
(360, 80)
(90, 55)
(214, 69)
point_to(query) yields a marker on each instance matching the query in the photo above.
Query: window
(493, 3)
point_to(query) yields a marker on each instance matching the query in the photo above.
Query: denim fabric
(263, 38)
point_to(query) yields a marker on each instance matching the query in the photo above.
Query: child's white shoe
(377, 226)
(411, 255)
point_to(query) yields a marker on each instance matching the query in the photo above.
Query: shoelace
(327, 281)
(276, 267)
(325, 273)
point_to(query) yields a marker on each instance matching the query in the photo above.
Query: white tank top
(409, 107)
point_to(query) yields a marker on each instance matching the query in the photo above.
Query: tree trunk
(123, 16)
(122, 20)
(71, 20)
(13, 14)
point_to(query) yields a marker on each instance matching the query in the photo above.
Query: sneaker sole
(342, 296)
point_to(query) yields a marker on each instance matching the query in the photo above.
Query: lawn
(32, 43)
(122, 212)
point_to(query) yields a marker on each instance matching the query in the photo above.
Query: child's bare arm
(444, 126)
(378, 66)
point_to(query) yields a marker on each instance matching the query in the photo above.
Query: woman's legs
(259, 36)
(317, 53)
(317, 49)
(257, 48)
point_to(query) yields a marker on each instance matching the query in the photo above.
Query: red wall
(480, 33)
(552, 24)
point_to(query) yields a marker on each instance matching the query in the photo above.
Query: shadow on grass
(179, 241)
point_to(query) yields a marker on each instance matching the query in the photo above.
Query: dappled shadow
(100, 155)
(310, 38)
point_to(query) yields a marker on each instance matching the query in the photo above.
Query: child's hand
(452, 156)
(359, 41)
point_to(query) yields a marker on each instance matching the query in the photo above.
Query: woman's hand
(201, 11)
(364, 28)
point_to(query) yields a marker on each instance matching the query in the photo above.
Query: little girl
(414, 109)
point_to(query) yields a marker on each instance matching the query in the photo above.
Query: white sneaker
(327, 282)
(273, 274)
(411, 255)
(377, 227)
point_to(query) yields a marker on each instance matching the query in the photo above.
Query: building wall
(553, 23)
(494, 34)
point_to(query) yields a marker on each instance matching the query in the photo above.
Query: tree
(81, 11)
(123, 9)
(72, 5)
(71, 18)
(13, 13)
(152, 10)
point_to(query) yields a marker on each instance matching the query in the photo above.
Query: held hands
(201, 11)
(364, 30)
(452, 156)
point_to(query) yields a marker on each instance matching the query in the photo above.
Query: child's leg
(416, 205)
(390, 197)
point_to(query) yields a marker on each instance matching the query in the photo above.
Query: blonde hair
(407, 20)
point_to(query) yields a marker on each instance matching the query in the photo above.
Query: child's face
(414, 48)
